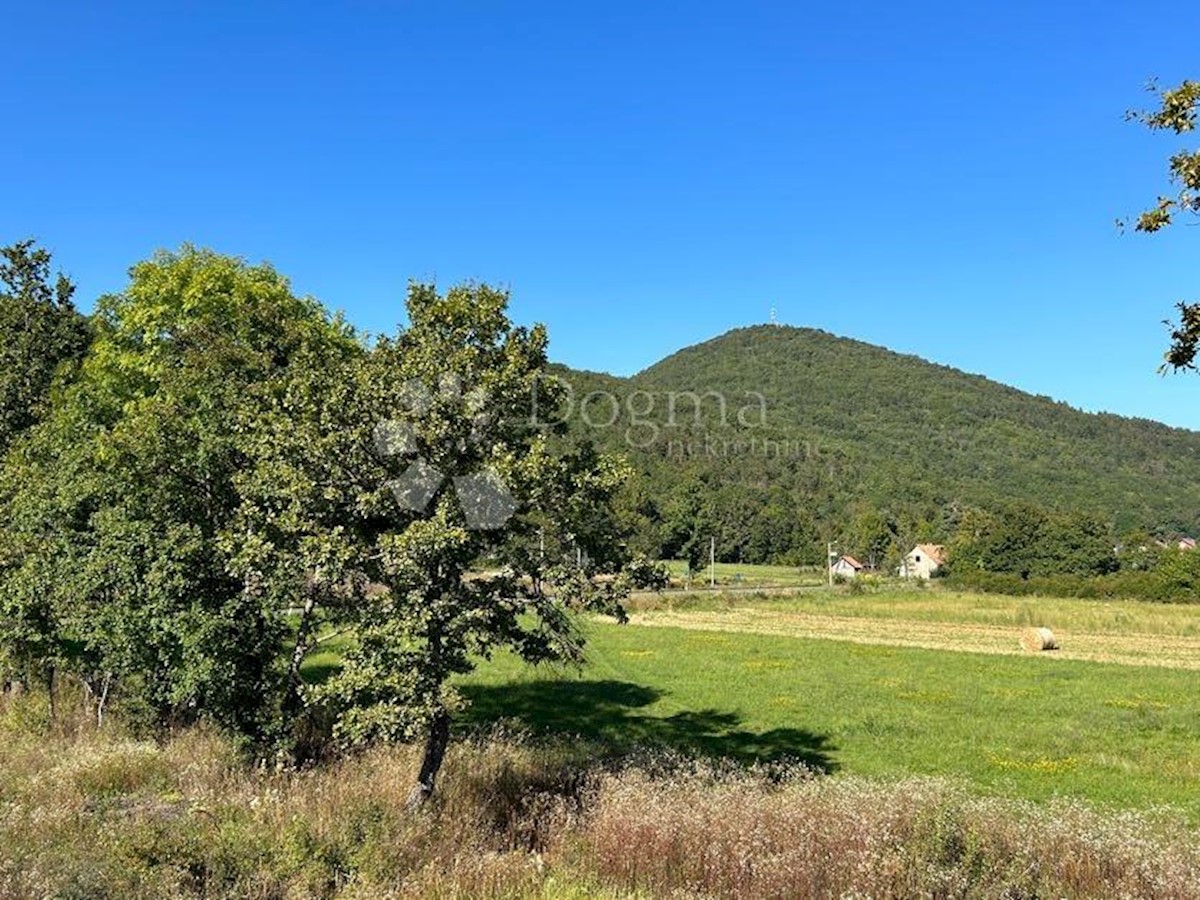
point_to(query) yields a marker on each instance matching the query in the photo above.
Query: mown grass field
(1127, 632)
(934, 603)
(1031, 727)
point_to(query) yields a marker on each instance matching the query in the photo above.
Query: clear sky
(940, 178)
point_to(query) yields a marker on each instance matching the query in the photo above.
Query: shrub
(1176, 581)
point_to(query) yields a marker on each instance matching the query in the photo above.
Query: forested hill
(851, 429)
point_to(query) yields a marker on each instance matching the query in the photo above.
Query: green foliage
(872, 534)
(218, 464)
(1023, 540)
(1175, 111)
(40, 332)
(424, 586)
(114, 563)
(1173, 578)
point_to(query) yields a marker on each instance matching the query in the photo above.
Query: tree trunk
(435, 751)
(291, 702)
(51, 691)
(103, 700)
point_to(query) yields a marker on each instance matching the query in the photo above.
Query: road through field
(1134, 649)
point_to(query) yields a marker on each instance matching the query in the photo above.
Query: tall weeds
(827, 837)
(96, 815)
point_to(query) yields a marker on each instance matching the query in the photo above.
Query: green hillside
(848, 434)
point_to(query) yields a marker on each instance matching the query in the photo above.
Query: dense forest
(775, 440)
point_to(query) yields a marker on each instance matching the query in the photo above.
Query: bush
(1175, 580)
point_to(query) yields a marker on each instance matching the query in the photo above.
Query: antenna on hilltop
(774, 320)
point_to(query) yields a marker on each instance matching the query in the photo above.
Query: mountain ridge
(909, 439)
(766, 329)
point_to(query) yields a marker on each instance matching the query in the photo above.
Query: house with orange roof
(922, 561)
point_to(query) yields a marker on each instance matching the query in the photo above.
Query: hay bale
(1035, 640)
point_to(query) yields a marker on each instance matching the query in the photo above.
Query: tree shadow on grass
(608, 712)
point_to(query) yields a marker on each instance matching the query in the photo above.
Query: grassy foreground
(1024, 727)
(95, 816)
(681, 762)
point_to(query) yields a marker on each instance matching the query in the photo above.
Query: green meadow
(1022, 727)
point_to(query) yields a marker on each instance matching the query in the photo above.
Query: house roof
(936, 552)
(852, 561)
(1187, 543)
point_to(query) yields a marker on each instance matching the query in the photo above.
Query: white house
(847, 567)
(922, 561)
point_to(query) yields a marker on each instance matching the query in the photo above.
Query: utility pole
(712, 562)
(829, 562)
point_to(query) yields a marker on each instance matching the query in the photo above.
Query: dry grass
(1131, 648)
(937, 603)
(1036, 640)
(739, 837)
(84, 815)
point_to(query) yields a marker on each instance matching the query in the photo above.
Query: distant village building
(848, 567)
(1180, 543)
(922, 561)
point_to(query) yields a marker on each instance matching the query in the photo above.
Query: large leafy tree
(411, 501)
(114, 560)
(1022, 539)
(1175, 111)
(40, 330)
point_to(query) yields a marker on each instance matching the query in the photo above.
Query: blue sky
(939, 178)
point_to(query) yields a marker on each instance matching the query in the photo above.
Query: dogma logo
(484, 498)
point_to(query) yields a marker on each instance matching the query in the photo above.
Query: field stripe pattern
(1134, 649)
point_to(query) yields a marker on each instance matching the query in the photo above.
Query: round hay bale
(1035, 640)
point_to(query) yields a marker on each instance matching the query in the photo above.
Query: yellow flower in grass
(1045, 765)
